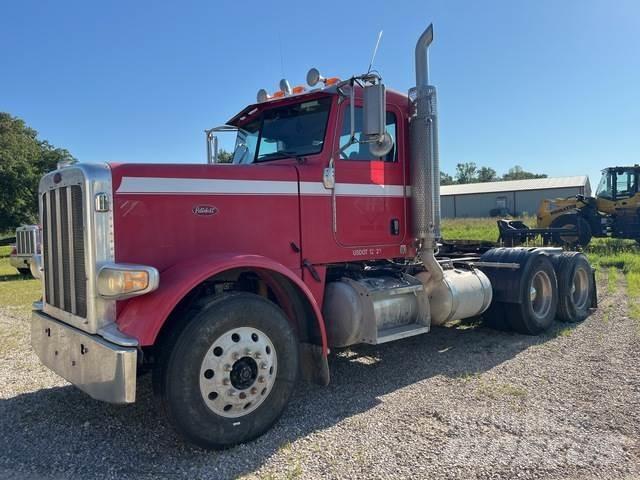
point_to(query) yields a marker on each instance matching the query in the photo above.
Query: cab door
(370, 205)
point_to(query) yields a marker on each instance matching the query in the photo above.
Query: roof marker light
(298, 89)
(262, 96)
(285, 86)
(313, 77)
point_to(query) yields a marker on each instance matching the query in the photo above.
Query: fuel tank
(460, 294)
(370, 310)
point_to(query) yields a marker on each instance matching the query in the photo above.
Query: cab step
(396, 333)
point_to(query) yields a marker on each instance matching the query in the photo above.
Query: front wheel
(230, 373)
(582, 235)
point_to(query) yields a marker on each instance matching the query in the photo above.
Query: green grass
(470, 229)
(16, 292)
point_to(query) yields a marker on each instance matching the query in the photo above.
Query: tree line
(24, 159)
(470, 173)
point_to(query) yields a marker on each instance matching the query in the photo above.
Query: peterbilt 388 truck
(228, 282)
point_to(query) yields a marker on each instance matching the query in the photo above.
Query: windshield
(290, 131)
(605, 187)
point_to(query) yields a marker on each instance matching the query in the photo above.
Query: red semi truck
(231, 281)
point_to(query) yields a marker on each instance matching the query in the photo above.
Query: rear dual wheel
(560, 286)
(576, 287)
(538, 298)
(230, 372)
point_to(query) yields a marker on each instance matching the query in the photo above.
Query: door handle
(395, 226)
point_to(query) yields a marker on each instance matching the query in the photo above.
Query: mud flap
(314, 366)
(594, 294)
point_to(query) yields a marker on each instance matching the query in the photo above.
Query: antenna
(375, 50)
(281, 55)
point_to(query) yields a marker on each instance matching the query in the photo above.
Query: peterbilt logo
(204, 210)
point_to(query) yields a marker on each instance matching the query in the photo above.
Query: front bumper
(19, 261)
(102, 369)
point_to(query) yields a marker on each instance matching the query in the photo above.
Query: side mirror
(374, 120)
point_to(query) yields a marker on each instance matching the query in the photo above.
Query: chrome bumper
(19, 261)
(102, 369)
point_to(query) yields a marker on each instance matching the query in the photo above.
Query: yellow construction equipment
(572, 222)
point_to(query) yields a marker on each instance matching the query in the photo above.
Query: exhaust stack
(425, 163)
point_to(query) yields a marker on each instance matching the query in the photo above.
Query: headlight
(119, 281)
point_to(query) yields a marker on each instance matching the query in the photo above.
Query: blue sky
(553, 86)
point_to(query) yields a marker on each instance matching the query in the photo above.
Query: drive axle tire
(575, 287)
(230, 372)
(538, 298)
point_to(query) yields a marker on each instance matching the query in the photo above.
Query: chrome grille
(63, 249)
(26, 241)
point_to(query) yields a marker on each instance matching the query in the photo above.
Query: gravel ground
(464, 402)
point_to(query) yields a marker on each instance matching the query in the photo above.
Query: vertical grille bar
(71, 249)
(48, 274)
(59, 252)
(80, 275)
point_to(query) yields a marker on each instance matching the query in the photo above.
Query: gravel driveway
(465, 402)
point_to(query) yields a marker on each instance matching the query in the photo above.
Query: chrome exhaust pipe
(425, 163)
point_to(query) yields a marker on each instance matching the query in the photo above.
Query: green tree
(446, 179)
(23, 160)
(224, 156)
(466, 172)
(518, 173)
(487, 174)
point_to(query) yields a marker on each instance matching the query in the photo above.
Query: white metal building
(517, 197)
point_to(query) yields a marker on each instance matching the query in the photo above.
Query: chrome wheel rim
(580, 288)
(540, 294)
(238, 372)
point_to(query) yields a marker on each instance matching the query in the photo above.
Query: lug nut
(263, 365)
(242, 395)
(258, 356)
(254, 390)
(235, 356)
(226, 381)
(260, 379)
(248, 351)
(231, 393)
(227, 368)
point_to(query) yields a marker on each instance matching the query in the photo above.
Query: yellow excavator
(613, 212)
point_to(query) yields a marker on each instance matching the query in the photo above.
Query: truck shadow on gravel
(60, 429)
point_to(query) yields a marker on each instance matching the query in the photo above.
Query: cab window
(625, 184)
(360, 151)
(605, 187)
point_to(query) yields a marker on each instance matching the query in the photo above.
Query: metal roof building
(514, 197)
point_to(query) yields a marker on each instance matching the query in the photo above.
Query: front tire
(230, 372)
(572, 221)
